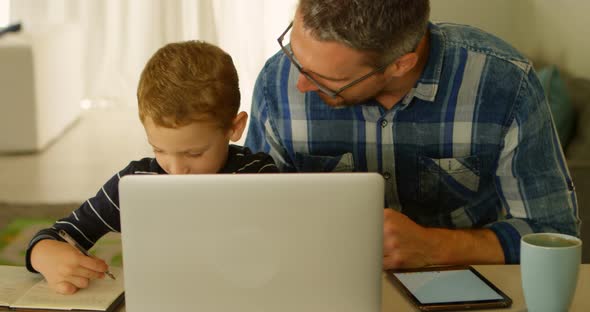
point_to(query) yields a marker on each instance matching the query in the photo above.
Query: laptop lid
(266, 242)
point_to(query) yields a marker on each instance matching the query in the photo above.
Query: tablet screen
(447, 286)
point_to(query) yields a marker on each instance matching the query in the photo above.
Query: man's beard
(341, 102)
(336, 102)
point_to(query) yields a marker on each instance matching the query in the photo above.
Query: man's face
(333, 65)
(199, 147)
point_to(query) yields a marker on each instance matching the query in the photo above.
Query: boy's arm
(65, 268)
(92, 220)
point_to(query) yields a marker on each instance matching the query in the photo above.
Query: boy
(188, 100)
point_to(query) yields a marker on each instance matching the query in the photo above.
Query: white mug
(549, 266)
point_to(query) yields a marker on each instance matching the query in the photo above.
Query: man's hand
(410, 245)
(405, 243)
(64, 267)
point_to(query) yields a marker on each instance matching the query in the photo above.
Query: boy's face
(199, 147)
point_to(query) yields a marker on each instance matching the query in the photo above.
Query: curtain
(121, 35)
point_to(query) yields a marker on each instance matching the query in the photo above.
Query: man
(452, 117)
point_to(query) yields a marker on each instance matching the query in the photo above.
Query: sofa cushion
(560, 103)
(579, 148)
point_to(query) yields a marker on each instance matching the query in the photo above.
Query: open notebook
(20, 289)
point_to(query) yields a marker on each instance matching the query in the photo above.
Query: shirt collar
(427, 85)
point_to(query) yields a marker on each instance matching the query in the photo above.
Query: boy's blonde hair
(186, 82)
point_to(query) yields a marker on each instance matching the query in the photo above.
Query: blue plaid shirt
(472, 145)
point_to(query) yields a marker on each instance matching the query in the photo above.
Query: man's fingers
(388, 263)
(65, 288)
(387, 213)
(389, 246)
(394, 262)
(390, 221)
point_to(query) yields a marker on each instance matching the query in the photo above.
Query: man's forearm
(473, 246)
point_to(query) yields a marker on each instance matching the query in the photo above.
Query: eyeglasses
(332, 93)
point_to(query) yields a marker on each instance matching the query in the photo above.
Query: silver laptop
(264, 242)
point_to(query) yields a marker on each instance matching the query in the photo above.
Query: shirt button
(386, 175)
(383, 123)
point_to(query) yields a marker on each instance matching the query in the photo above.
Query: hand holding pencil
(66, 268)
(63, 234)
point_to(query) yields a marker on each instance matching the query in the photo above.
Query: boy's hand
(64, 267)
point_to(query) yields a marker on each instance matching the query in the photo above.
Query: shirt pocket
(313, 163)
(448, 183)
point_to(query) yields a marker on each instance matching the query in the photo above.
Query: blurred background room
(68, 116)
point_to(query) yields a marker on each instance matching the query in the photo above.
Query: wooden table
(505, 277)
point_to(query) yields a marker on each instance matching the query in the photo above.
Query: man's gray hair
(387, 28)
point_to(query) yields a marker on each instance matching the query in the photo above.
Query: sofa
(577, 152)
(41, 86)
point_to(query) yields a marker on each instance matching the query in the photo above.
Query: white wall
(545, 30)
(4, 12)
(248, 30)
(561, 34)
(497, 16)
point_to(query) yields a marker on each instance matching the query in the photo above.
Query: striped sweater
(100, 214)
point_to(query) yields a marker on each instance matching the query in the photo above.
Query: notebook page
(98, 296)
(14, 282)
